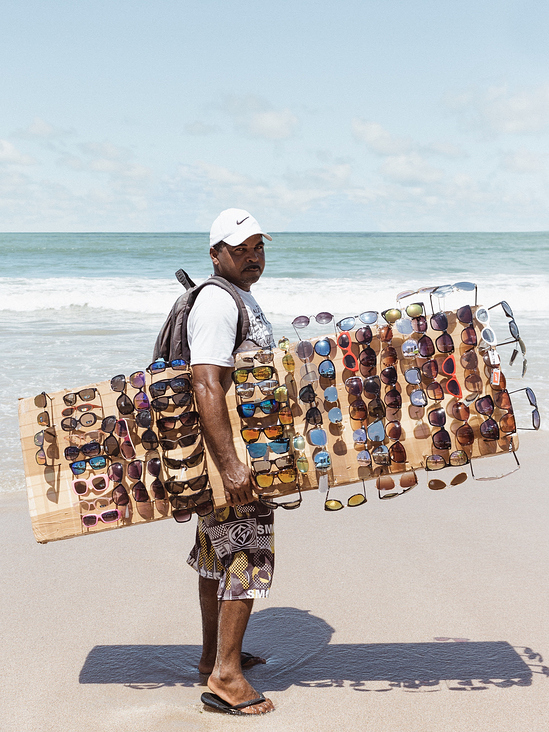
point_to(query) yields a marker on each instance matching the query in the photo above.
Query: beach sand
(103, 632)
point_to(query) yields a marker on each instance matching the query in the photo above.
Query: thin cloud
(378, 139)
(10, 155)
(254, 116)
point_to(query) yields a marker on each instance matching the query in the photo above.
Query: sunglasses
(86, 420)
(448, 368)
(386, 483)
(265, 355)
(350, 361)
(458, 458)
(261, 449)
(96, 463)
(444, 290)
(140, 493)
(265, 466)
(536, 420)
(369, 317)
(260, 373)
(160, 404)
(157, 367)
(326, 369)
(83, 486)
(410, 348)
(322, 461)
(185, 441)
(286, 475)
(267, 406)
(252, 434)
(120, 496)
(247, 390)
(85, 395)
(127, 447)
(187, 419)
(391, 315)
(68, 411)
(302, 321)
(288, 505)
(190, 462)
(107, 517)
(367, 359)
(332, 504)
(137, 380)
(194, 484)
(90, 449)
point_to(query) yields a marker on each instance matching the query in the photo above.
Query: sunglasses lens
(452, 387)
(332, 505)
(364, 457)
(118, 383)
(323, 347)
(318, 437)
(376, 431)
(322, 460)
(435, 462)
(330, 394)
(502, 400)
(380, 455)
(418, 398)
(302, 464)
(313, 416)
(389, 375)
(141, 401)
(437, 417)
(435, 392)
(346, 324)
(327, 369)
(397, 453)
(484, 405)
(364, 335)
(469, 336)
(419, 324)
(354, 385)
(369, 317)
(124, 404)
(458, 458)
(137, 379)
(391, 316)
(465, 435)
(358, 410)
(385, 334)
(372, 387)
(304, 351)
(80, 487)
(460, 411)
(368, 357)
(414, 310)
(489, 429)
(393, 399)
(335, 415)
(413, 376)
(444, 343)
(439, 321)
(135, 469)
(158, 490)
(473, 383)
(441, 440)
(264, 480)
(426, 347)
(465, 315)
(182, 515)
(279, 446)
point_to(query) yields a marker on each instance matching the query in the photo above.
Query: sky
(401, 115)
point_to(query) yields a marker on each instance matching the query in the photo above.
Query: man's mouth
(251, 267)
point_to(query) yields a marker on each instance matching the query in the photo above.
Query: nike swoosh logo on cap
(241, 222)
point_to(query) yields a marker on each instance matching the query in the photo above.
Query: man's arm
(209, 387)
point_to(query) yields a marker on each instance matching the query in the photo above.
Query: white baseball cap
(233, 226)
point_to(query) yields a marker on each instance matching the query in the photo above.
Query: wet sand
(103, 632)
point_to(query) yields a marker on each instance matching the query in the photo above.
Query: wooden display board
(57, 511)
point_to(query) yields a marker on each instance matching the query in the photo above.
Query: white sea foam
(281, 297)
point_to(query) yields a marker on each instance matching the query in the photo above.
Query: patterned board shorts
(236, 546)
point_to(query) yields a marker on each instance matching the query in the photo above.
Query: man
(234, 551)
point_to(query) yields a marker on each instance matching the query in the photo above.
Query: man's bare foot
(247, 660)
(236, 690)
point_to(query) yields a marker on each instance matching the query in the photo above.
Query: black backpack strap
(184, 279)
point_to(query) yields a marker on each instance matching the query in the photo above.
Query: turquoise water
(78, 308)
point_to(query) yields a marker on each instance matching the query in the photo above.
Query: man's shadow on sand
(297, 647)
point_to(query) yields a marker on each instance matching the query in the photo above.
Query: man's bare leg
(227, 679)
(209, 608)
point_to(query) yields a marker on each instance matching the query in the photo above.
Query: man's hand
(239, 484)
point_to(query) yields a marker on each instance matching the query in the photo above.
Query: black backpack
(172, 340)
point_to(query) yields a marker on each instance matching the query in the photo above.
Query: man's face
(242, 265)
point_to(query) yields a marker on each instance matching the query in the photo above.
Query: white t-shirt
(212, 324)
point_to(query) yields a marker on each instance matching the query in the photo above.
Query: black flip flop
(216, 702)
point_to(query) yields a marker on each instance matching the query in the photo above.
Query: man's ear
(214, 256)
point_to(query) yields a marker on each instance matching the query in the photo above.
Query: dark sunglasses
(288, 505)
(157, 367)
(267, 406)
(85, 395)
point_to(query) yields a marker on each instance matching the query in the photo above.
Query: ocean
(80, 308)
